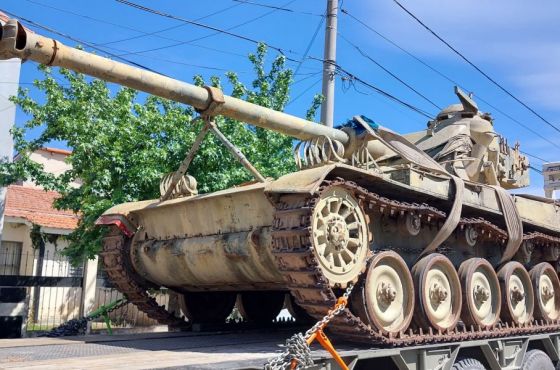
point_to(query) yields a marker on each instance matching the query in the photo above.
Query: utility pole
(329, 63)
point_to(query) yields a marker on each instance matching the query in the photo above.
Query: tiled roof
(56, 150)
(35, 205)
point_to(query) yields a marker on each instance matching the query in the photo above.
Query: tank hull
(223, 241)
(220, 241)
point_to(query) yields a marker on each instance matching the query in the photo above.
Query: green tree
(123, 143)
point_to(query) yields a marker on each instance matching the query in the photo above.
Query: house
(33, 238)
(29, 212)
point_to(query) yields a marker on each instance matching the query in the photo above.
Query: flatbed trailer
(251, 350)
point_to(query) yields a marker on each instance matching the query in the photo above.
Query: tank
(419, 227)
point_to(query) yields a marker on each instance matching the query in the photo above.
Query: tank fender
(305, 181)
(120, 221)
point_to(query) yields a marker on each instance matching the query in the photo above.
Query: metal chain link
(297, 348)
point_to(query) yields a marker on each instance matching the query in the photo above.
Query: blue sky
(516, 43)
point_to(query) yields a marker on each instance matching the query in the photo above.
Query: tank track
(296, 260)
(116, 263)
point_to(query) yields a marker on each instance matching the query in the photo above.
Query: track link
(116, 263)
(293, 250)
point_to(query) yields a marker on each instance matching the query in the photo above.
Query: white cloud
(517, 38)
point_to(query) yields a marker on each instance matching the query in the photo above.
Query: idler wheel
(438, 298)
(517, 293)
(546, 288)
(385, 300)
(261, 306)
(208, 307)
(481, 293)
(340, 236)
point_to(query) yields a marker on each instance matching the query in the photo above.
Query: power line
(202, 25)
(280, 50)
(536, 169)
(304, 91)
(283, 8)
(476, 67)
(382, 92)
(308, 48)
(365, 55)
(142, 33)
(534, 156)
(207, 36)
(443, 75)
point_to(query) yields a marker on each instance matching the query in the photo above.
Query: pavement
(183, 350)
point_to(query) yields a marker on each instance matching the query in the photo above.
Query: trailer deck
(250, 350)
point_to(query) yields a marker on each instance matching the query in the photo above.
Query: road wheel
(208, 307)
(517, 293)
(481, 293)
(385, 300)
(546, 288)
(536, 360)
(438, 288)
(261, 306)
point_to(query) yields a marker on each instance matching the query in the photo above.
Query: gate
(39, 290)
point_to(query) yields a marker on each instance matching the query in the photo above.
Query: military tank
(421, 225)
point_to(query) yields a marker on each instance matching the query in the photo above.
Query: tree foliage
(123, 143)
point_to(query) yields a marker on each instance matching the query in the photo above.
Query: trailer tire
(536, 360)
(468, 364)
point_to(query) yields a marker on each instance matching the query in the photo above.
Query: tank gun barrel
(17, 42)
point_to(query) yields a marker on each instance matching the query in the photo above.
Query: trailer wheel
(468, 364)
(536, 360)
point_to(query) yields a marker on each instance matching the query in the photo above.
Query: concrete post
(89, 289)
(329, 64)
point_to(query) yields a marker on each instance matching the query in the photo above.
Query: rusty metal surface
(115, 258)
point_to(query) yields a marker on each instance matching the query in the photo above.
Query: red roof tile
(56, 150)
(35, 205)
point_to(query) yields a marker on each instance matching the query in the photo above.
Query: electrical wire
(536, 169)
(88, 44)
(145, 34)
(304, 92)
(308, 48)
(382, 92)
(534, 156)
(202, 25)
(446, 77)
(476, 67)
(280, 50)
(365, 55)
(142, 33)
(283, 8)
(207, 36)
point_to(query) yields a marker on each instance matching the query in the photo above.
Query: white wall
(9, 76)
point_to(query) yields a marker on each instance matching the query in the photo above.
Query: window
(10, 257)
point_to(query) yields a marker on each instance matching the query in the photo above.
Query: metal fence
(48, 291)
(44, 282)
